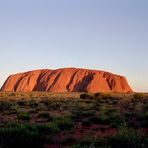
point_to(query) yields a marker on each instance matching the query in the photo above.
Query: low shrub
(143, 119)
(137, 96)
(84, 96)
(21, 102)
(107, 96)
(64, 123)
(103, 118)
(88, 113)
(33, 103)
(5, 105)
(97, 95)
(23, 116)
(43, 115)
(12, 94)
(41, 107)
(115, 101)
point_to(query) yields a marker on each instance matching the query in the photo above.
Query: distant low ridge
(66, 80)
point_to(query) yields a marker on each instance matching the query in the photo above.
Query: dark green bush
(88, 113)
(115, 101)
(12, 94)
(33, 103)
(21, 102)
(84, 96)
(97, 95)
(5, 105)
(103, 118)
(143, 119)
(64, 123)
(41, 107)
(23, 116)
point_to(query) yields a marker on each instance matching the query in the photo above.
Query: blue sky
(110, 35)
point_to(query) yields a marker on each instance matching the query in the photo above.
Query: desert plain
(65, 120)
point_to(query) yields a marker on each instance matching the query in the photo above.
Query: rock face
(66, 80)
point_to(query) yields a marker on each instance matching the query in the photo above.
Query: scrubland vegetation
(77, 120)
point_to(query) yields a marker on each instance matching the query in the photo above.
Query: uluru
(66, 80)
